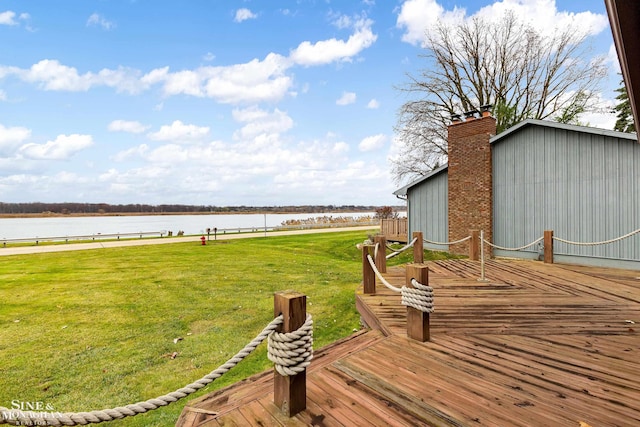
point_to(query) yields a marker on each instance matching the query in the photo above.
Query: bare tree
(504, 62)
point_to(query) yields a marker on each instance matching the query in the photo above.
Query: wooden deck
(537, 345)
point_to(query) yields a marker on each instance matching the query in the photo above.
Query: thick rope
(379, 275)
(513, 249)
(404, 248)
(604, 242)
(464, 239)
(419, 297)
(14, 417)
(291, 352)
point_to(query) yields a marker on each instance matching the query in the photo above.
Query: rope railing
(419, 297)
(379, 276)
(399, 251)
(291, 354)
(464, 239)
(493, 245)
(603, 242)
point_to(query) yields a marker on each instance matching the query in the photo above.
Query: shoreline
(106, 214)
(23, 250)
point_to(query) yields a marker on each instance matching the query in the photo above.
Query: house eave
(402, 191)
(573, 128)
(624, 17)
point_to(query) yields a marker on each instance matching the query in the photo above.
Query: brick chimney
(470, 176)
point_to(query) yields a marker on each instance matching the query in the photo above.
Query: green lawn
(95, 329)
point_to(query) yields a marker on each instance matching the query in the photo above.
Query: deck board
(535, 345)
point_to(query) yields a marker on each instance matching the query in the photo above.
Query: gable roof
(556, 125)
(403, 190)
(513, 129)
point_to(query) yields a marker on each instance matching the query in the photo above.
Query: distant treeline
(105, 208)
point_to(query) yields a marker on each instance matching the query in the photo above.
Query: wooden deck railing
(290, 392)
(395, 229)
(290, 348)
(417, 320)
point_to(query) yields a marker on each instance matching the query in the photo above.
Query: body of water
(17, 228)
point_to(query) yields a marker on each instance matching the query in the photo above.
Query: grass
(95, 329)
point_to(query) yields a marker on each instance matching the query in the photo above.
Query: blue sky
(223, 102)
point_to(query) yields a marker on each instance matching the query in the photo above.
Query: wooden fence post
(418, 247)
(381, 255)
(548, 246)
(290, 392)
(474, 245)
(368, 275)
(417, 321)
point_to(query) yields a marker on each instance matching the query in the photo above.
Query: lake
(17, 228)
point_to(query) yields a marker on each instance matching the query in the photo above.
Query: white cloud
(123, 79)
(127, 126)
(209, 57)
(373, 104)
(20, 181)
(185, 82)
(343, 21)
(179, 132)
(155, 76)
(346, 98)
(54, 76)
(254, 167)
(138, 151)
(612, 58)
(250, 82)
(244, 14)
(11, 138)
(7, 18)
(260, 122)
(604, 118)
(63, 147)
(372, 143)
(416, 17)
(51, 75)
(65, 177)
(254, 81)
(100, 21)
(327, 51)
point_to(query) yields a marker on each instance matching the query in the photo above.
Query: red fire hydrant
(203, 240)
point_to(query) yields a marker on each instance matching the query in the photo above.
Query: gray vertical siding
(583, 185)
(428, 209)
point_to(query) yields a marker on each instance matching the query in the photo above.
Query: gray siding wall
(585, 187)
(428, 210)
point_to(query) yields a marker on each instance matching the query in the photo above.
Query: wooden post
(418, 247)
(290, 392)
(368, 275)
(474, 245)
(548, 246)
(381, 256)
(417, 321)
